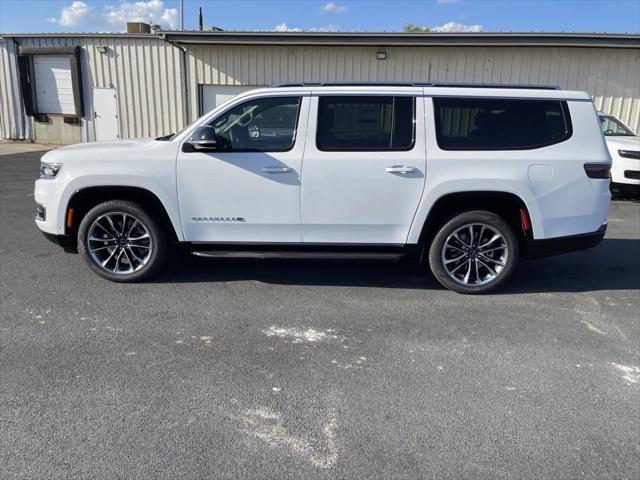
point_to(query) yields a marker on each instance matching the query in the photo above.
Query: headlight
(49, 170)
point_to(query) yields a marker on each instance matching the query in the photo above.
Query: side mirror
(204, 145)
(204, 139)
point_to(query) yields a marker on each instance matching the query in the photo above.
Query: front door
(248, 190)
(105, 114)
(364, 174)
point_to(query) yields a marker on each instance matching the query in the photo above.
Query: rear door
(364, 167)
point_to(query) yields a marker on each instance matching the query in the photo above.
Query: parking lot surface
(273, 369)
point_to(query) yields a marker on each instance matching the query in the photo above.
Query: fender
(165, 196)
(145, 164)
(500, 186)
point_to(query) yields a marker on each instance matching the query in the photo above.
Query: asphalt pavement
(304, 370)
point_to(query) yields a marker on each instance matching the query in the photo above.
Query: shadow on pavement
(613, 265)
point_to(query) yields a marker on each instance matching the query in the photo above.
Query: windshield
(612, 127)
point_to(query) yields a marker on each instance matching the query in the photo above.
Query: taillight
(598, 170)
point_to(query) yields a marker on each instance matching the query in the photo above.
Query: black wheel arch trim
(449, 205)
(86, 198)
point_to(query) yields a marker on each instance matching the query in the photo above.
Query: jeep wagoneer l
(467, 178)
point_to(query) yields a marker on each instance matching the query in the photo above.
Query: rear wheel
(121, 242)
(474, 252)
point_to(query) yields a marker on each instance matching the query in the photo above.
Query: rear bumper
(555, 246)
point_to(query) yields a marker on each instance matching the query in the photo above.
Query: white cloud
(326, 28)
(75, 14)
(283, 27)
(332, 7)
(152, 10)
(457, 27)
(115, 17)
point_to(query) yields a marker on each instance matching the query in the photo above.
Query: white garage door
(54, 88)
(214, 95)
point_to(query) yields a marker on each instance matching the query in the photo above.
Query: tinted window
(365, 123)
(263, 125)
(499, 124)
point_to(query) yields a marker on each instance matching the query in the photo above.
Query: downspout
(185, 80)
(22, 110)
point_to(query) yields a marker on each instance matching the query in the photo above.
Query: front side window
(365, 123)
(500, 124)
(260, 125)
(612, 127)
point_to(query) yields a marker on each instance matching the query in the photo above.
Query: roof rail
(491, 85)
(344, 84)
(414, 84)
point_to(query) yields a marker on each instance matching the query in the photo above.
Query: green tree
(411, 28)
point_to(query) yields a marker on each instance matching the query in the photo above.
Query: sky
(611, 16)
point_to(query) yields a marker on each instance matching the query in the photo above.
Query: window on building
(500, 124)
(365, 123)
(260, 125)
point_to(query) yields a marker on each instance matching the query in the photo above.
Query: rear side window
(366, 123)
(500, 124)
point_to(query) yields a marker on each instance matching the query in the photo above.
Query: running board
(301, 255)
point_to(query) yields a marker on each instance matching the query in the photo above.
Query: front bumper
(555, 246)
(625, 189)
(67, 242)
(625, 171)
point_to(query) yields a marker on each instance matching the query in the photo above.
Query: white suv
(467, 177)
(624, 147)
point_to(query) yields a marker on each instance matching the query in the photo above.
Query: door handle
(276, 169)
(401, 169)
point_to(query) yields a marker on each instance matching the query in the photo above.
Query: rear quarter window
(500, 124)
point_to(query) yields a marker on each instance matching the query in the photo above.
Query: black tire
(470, 255)
(156, 234)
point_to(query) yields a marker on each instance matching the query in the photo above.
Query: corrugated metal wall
(13, 122)
(146, 73)
(610, 75)
(148, 77)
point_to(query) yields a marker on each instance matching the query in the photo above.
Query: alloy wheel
(475, 254)
(119, 243)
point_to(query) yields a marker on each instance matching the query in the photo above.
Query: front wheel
(121, 242)
(474, 252)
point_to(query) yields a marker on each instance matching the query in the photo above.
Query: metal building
(66, 88)
(130, 85)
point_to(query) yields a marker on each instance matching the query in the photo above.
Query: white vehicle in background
(624, 147)
(467, 178)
